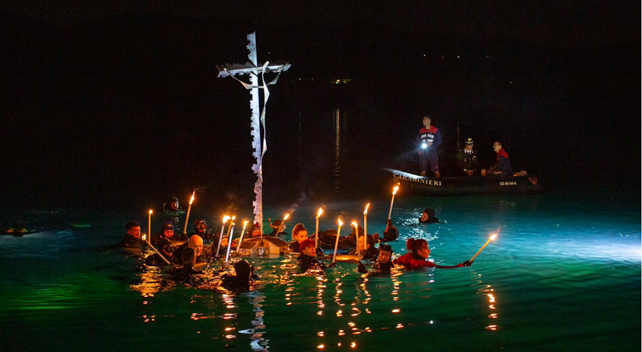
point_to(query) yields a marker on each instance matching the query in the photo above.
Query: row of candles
(230, 229)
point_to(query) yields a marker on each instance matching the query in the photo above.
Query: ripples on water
(559, 277)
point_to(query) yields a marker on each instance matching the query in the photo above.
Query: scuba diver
(428, 217)
(132, 237)
(417, 258)
(391, 233)
(186, 272)
(242, 280)
(162, 242)
(367, 247)
(308, 257)
(384, 261)
(195, 242)
(172, 211)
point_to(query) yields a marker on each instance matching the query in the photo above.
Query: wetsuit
(130, 241)
(467, 160)
(235, 284)
(163, 245)
(371, 254)
(306, 262)
(428, 156)
(185, 274)
(178, 252)
(503, 163)
(409, 261)
(384, 267)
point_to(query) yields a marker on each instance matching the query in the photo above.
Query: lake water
(563, 275)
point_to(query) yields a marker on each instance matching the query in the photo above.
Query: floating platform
(463, 186)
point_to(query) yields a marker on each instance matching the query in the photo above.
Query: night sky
(118, 104)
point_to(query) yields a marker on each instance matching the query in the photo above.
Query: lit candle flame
(394, 190)
(365, 212)
(286, 217)
(492, 238)
(245, 223)
(340, 222)
(151, 212)
(354, 223)
(225, 218)
(192, 200)
(320, 212)
(144, 237)
(233, 217)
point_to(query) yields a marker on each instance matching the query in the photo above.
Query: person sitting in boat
(242, 280)
(132, 237)
(300, 234)
(185, 272)
(467, 160)
(417, 258)
(502, 164)
(195, 242)
(308, 257)
(162, 241)
(367, 247)
(429, 140)
(278, 227)
(428, 217)
(391, 233)
(384, 261)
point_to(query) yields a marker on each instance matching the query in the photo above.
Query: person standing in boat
(502, 164)
(467, 160)
(429, 140)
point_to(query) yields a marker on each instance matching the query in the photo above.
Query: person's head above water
(133, 228)
(385, 252)
(307, 248)
(168, 229)
(427, 216)
(418, 247)
(299, 233)
(243, 270)
(278, 225)
(188, 256)
(196, 243)
(200, 225)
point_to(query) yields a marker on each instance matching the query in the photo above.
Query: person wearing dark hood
(391, 233)
(384, 261)
(162, 242)
(186, 273)
(417, 257)
(308, 257)
(171, 210)
(242, 280)
(428, 217)
(367, 248)
(132, 237)
(278, 227)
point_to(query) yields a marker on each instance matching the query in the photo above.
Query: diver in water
(367, 247)
(162, 242)
(195, 242)
(186, 272)
(428, 217)
(278, 226)
(391, 233)
(418, 256)
(308, 257)
(384, 261)
(132, 237)
(300, 234)
(242, 280)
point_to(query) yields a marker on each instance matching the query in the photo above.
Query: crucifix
(257, 82)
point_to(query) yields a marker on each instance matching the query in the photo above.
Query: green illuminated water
(564, 275)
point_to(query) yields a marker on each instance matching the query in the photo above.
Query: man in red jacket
(429, 139)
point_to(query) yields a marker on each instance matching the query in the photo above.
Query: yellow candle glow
(282, 226)
(316, 240)
(492, 238)
(336, 243)
(365, 221)
(149, 223)
(220, 237)
(392, 201)
(230, 234)
(356, 231)
(242, 233)
(189, 208)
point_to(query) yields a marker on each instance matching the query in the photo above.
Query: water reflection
(489, 292)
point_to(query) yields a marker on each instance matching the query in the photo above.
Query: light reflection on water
(555, 278)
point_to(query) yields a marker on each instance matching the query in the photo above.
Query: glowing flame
(340, 222)
(354, 223)
(394, 190)
(233, 217)
(192, 200)
(151, 212)
(245, 223)
(365, 212)
(286, 217)
(492, 238)
(225, 218)
(320, 212)
(144, 237)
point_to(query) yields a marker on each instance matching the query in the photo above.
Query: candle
(365, 221)
(149, 224)
(229, 240)
(356, 231)
(282, 226)
(188, 210)
(218, 247)
(336, 243)
(242, 233)
(316, 240)
(392, 201)
(492, 238)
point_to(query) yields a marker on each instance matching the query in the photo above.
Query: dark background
(113, 104)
